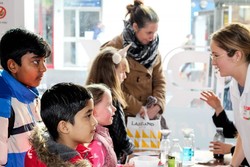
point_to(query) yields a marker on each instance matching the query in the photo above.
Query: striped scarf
(144, 54)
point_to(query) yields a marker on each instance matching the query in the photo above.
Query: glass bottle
(219, 137)
(175, 154)
(164, 145)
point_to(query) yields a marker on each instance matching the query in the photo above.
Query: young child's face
(104, 110)
(31, 71)
(85, 124)
(121, 72)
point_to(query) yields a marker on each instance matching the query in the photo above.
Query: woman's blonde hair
(233, 37)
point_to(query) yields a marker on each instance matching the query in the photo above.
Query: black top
(229, 130)
(123, 145)
(222, 120)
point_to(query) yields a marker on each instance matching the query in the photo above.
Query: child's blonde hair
(98, 91)
(103, 70)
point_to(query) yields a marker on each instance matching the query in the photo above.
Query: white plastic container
(146, 161)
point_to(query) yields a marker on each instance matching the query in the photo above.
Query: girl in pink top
(101, 147)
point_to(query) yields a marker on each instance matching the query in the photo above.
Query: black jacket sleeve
(122, 143)
(244, 162)
(229, 130)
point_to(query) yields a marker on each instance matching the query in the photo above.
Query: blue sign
(82, 3)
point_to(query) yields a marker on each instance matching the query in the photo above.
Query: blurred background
(76, 29)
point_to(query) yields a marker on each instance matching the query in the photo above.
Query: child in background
(22, 57)
(102, 146)
(110, 67)
(67, 112)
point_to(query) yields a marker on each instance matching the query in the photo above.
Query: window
(44, 23)
(80, 19)
(66, 25)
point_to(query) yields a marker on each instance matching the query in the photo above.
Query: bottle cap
(219, 129)
(165, 132)
(187, 131)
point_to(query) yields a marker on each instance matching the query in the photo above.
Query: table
(205, 158)
(202, 158)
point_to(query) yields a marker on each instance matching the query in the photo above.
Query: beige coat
(142, 82)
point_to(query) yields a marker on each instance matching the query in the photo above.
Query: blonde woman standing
(230, 47)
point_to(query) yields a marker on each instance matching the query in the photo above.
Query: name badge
(246, 107)
(246, 112)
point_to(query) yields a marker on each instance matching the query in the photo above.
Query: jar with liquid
(175, 154)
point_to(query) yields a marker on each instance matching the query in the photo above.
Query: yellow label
(137, 134)
(144, 135)
(152, 134)
(153, 145)
(144, 144)
(129, 133)
(159, 134)
(136, 143)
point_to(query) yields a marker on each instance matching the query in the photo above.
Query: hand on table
(220, 148)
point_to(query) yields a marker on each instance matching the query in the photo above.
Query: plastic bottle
(219, 137)
(164, 146)
(188, 146)
(175, 154)
(193, 144)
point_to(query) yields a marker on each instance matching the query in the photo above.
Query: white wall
(113, 16)
(19, 13)
(184, 109)
(174, 25)
(174, 22)
(58, 34)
